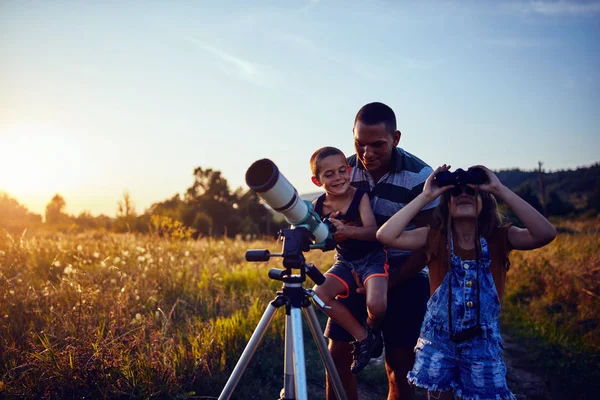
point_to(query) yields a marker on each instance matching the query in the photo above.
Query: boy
(349, 213)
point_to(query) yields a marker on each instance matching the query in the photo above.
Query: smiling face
(465, 204)
(374, 145)
(333, 174)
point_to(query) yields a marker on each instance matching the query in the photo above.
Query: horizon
(97, 99)
(304, 195)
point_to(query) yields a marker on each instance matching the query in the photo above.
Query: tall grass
(109, 315)
(124, 316)
(552, 301)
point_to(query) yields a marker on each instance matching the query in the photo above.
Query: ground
(523, 376)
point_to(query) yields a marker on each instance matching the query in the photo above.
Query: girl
(459, 348)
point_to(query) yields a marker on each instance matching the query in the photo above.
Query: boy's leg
(376, 288)
(328, 292)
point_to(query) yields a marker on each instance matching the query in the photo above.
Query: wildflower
(96, 254)
(140, 249)
(138, 316)
(68, 270)
(187, 253)
(160, 259)
(141, 259)
(103, 264)
(79, 247)
(117, 260)
(125, 253)
(57, 263)
(12, 292)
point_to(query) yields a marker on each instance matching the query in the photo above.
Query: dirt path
(522, 376)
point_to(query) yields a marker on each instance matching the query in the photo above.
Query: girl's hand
(493, 186)
(432, 190)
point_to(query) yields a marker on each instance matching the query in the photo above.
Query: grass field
(122, 316)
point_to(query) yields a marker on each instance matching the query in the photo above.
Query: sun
(36, 159)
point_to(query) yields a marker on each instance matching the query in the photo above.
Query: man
(393, 177)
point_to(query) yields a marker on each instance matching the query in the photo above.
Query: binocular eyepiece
(460, 177)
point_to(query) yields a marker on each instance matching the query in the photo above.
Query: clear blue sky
(99, 97)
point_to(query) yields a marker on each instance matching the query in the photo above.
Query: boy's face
(374, 145)
(334, 176)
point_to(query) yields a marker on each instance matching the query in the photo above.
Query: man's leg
(341, 352)
(406, 308)
(340, 345)
(398, 362)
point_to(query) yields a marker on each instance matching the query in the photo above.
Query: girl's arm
(392, 233)
(366, 231)
(538, 230)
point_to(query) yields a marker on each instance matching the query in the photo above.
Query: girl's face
(334, 176)
(464, 202)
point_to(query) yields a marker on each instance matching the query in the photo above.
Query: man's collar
(397, 160)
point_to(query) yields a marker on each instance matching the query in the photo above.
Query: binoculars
(460, 177)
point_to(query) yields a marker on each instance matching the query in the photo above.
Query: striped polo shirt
(394, 190)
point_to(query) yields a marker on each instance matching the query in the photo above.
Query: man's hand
(360, 288)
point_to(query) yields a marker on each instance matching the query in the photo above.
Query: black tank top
(350, 249)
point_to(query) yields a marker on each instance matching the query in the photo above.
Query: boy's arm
(366, 231)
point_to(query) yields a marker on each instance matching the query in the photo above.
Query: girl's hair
(488, 221)
(321, 154)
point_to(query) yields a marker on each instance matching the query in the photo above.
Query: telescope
(264, 178)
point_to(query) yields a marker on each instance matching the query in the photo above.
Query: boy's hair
(321, 154)
(376, 113)
(488, 221)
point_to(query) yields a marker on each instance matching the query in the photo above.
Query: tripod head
(296, 240)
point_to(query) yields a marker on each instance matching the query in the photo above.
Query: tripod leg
(313, 324)
(288, 366)
(299, 363)
(246, 356)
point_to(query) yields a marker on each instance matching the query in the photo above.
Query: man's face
(374, 145)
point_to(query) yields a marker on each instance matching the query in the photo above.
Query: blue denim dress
(473, 369)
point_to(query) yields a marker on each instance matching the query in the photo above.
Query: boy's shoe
(378, 349)
(363, 351)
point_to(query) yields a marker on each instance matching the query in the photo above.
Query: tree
(15, 217)
(209, 200)
(54, 210)
(594, 199)
(556, 205)
(126, 215)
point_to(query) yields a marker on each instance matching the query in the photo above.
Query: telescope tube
(264, 178)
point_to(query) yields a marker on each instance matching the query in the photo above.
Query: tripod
(295, 298)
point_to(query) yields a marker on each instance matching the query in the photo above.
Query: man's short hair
(376, 113)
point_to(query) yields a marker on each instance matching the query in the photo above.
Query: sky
(102, 97)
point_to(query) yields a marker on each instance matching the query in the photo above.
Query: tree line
(209, 208)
